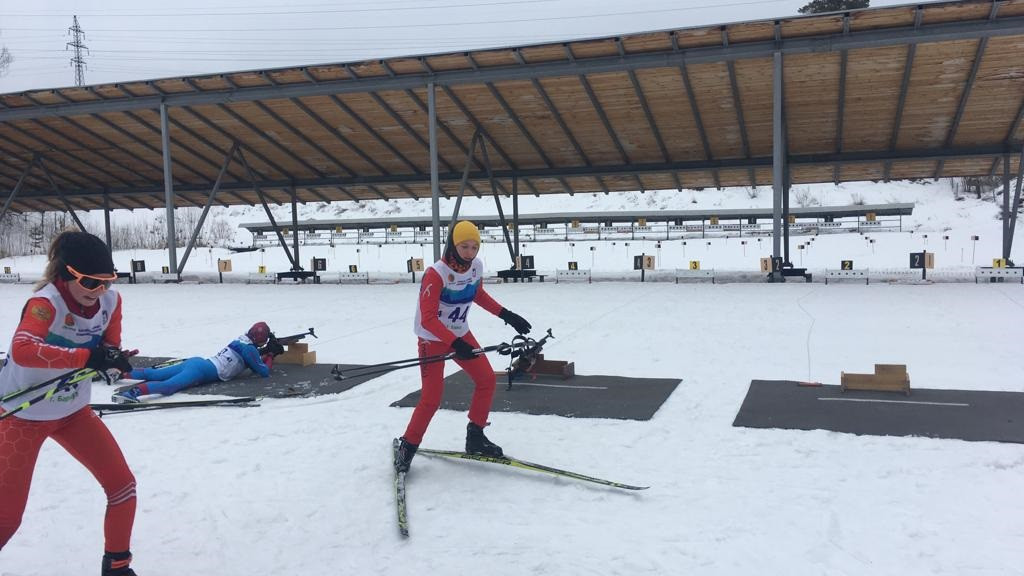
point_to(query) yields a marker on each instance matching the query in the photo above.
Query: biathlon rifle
(515, 349)
(275, 346)
(523, 355)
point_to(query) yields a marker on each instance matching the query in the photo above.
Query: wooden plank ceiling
(577, 117)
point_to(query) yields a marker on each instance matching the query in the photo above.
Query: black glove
(517, 322)
(103, 358)
(273, 347)
(463, 349)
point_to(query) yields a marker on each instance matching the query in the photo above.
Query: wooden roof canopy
(915, 91)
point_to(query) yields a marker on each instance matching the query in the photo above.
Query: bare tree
(819, 6)
(5, 60)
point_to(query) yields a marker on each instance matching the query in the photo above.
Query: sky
(144, 40)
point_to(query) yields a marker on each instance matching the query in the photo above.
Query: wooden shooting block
(554, 367)
(297, 353)
(560, 368)
(887, 378)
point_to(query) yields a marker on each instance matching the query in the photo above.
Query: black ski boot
(477, 443)
(406, 450)
(116, 564)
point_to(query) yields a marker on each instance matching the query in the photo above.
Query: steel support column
(778, 161)
(266, 208)
(17, 187)
(106, 222)
(497, 197)
(785, 206)
(465, 176)
(296, 262)
(165, 143)
(515, 221)
(1016, 201)
(63, 199)
(206, 208)
(435, 186)
(1007, 239)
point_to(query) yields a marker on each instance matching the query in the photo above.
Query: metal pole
(266, 208)
(515, 218)
(295, 231)
(206, 209)
(165, 142)
(106, 222)
(465, 179)
(785, 210)
(1016, 198)
(17, 187)
(63, 199)
(1007, 241)
(778, 158)
(435, 187)
(497, 199)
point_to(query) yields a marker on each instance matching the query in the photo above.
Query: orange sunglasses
(90, 282)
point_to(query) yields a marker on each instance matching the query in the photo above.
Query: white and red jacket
(446, 296)
(52, 339)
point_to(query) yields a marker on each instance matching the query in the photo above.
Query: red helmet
(259, 333)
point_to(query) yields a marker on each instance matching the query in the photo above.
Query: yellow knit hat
(465, 230)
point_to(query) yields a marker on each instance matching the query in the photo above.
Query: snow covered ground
(303, 486)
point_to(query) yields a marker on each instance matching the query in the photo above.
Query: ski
(247, 401)
(524, 465)
(403, 518)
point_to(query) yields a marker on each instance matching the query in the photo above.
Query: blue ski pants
(171, 379)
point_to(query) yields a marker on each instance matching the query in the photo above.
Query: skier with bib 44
(447, 292)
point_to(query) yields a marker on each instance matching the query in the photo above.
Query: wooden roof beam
(158, 166)
(261, 135)
(341, 138)
(971, 77)
(941, 32)
(522, 128)
(651, 123)
(177, 142)
(567, 49)
(373, 133)
(394, 115)
(908, 67)
(231, 138)
(734, 88)
(844, 58)
(36, 180)
(695, 110)
(487, 135)
(48, 146)
(560, 121)
(454, 139)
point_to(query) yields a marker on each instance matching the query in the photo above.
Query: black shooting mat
(285, 380)
(577, 397)
(977, 415)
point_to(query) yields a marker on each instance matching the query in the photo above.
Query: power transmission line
(78, 61)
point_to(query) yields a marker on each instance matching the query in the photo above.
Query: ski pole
(55, 380)
(385, 367)
(72, 382)
(75, 376)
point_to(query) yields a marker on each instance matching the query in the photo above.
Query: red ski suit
(437, 296)
(81, 433)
